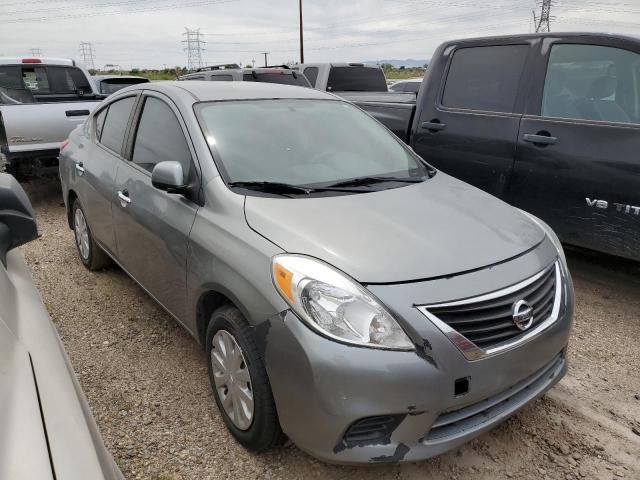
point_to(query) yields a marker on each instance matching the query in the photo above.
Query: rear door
(468, 126)
(152, 226)
(94, 171)
(578, 159)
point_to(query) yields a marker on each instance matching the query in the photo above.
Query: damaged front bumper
(353, 405)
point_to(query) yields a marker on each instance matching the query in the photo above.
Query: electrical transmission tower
(36, 52)
(194, 48)
(87, 52)
(542, 23)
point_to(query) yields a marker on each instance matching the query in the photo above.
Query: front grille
(489, 322)
(456, 423)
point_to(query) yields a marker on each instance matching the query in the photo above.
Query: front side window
(302, 142)
(115, 125)
(160, 138)
(485, 78)
(592, 82)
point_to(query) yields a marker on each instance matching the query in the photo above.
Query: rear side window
(115, 125)
(160, 138)
(356, 79)
(485, 78)
(21, 83)
(221, 78)
(312, 75)
(592, 82)
(276, 77)
(100, 122)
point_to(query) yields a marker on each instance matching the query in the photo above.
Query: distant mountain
(409, 62)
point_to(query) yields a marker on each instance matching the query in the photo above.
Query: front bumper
(322, 387)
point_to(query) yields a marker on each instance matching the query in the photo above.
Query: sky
(148, 33)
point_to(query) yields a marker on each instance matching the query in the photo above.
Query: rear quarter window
(485, 78)
(115, 124)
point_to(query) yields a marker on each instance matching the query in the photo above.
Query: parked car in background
(108, 84)
(547, 122)
(278, 74)
(46, 427)
(41, 101)
(347, 294)
(344, 77)
(406, 86)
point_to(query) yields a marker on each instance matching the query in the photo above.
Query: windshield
(277, 77)
(356, 79)
(33, 83)
(303, 143)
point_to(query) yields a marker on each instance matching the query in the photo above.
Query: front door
(152, 226)
(578, 159)
(468, 128)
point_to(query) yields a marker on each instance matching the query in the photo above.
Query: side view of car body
(46, 428)
(347, 294)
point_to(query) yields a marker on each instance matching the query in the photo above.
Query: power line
(87, 53)
(194, 48)
(542, 23)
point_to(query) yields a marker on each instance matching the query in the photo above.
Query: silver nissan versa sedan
(348, 295)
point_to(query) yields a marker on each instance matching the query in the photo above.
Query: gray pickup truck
(41, 101)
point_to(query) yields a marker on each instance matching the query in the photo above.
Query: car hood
(436, 228)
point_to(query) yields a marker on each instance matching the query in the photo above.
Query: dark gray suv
(347, 294)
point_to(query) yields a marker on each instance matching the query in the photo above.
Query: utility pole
(265, 58)
(301, 34)
(87, 52)
(542, 23)
(194, 48)
(36, 52)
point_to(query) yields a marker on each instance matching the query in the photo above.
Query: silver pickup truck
(41, 101)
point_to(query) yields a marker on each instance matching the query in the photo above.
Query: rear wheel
(239, 381)
(90, 253)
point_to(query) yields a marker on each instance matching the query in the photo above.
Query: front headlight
(335, 305)
(552, 236)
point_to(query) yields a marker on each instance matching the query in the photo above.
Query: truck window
(31, 83)
(160, 138)
(356, 79)
(591, 82)
(485, 78)
(115, 125)
(312, 75)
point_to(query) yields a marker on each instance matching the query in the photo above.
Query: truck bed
(394, 110)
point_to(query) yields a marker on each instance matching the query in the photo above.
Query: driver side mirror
(169, 176)
(17, 219)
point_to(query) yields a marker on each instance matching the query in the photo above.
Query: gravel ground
(146, 382)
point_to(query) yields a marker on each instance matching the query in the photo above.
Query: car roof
(205, 91)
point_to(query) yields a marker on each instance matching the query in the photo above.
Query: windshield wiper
(272, 187)
(363, 181)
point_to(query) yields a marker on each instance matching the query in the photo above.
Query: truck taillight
(31, 60)
(64, 144)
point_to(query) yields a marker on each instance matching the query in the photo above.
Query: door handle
(540, 138)
(124, 198)
(434, 126)
(80, 168)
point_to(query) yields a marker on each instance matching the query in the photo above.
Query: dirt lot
(146, 382)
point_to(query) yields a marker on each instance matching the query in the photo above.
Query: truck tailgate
(42, 126)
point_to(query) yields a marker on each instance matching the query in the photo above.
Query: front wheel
(239, 381)
(91, 254)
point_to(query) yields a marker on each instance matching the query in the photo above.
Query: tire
(263, 430)
(91, 255)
